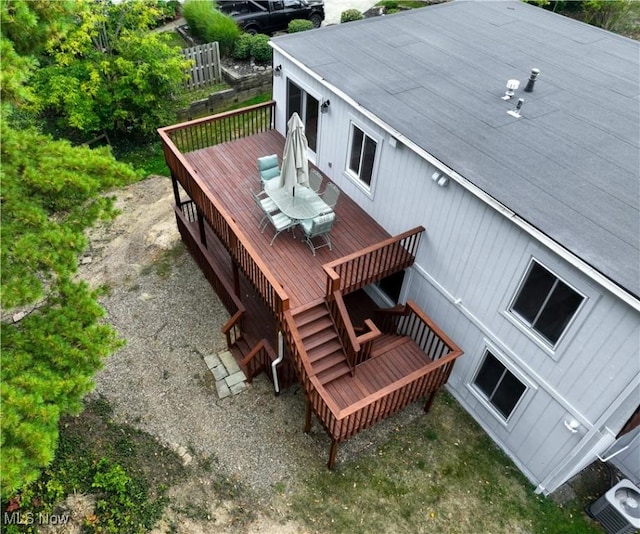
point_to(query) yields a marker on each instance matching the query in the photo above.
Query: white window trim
(368, 189)
(523, 401)
(588, 293)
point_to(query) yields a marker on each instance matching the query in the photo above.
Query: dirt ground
(161, 304)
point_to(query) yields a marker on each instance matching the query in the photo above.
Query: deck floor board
(229, 173)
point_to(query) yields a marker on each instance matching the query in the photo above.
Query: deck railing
(341, 424)
(410, 320)
(221, 128)
(373, 263)
(258, 360)
(206, 132)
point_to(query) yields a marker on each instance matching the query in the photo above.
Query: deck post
(176, 190)
(307, 415)
(236, 278)
(333, 451)
(430, 399)
(203, 235)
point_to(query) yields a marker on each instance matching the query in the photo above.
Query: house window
(362, 155)
(545, 303)
(498, 385)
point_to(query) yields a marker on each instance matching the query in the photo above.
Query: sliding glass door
(298, 100)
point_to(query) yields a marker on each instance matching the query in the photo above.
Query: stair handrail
(261, 348)
(357, 347)
(232, 329)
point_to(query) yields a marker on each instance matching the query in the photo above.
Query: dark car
(268, 16)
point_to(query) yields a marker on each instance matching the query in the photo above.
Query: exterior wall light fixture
(277, 70)
(440, 179)
(324, 107)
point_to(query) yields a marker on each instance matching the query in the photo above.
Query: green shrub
(260, 49)
(242, 48)
(209, 24)
(389, 4)
(170, 9)
(350, 15)
(299, 25)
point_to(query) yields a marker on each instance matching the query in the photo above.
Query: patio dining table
(299, 204)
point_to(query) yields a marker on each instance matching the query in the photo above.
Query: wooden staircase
(321, 342)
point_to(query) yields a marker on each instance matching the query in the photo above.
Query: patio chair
(268, 168)
(318, 227)
(280, 223)
(330, 195)
(315, 180)
(266, 205)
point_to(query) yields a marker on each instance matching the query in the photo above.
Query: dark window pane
(489, 375)
(311, 122)
(294, 99)
(356, 150)
(558, 311)
(533, 293)
(508, 394)
(368, 158)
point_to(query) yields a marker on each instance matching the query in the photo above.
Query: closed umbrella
(295, 166)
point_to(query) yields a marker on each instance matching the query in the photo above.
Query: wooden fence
(206, 67)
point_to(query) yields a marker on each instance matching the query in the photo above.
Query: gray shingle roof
(570, 166)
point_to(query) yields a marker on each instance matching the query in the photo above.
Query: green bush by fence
(260, 49)
(209, 24)
(299, 25)
(350, 15)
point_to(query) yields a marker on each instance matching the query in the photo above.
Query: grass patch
(440, 474)
(395, 5)
(163, 265)
(145, 156)
(126, 470)
(175, 39)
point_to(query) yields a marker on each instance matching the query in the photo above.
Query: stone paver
(222, 389)
(229, 362)
(212, 361)
(235, 378)
(230, 380)
(219, 372)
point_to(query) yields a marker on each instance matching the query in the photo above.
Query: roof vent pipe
(532, 80)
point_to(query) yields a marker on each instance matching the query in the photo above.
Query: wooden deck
(230, 173)
(351, 380)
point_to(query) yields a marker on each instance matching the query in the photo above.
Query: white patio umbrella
(295, 166)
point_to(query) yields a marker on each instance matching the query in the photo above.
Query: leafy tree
(51, 192)
(26, 28)
(110, 73)
(610, 14)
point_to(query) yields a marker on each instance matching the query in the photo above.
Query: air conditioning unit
(618, 510)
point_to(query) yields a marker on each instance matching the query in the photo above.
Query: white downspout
(278, 360)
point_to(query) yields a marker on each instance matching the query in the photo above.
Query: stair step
(322, 351)
(327, 362)
(307, 316)
(333, 373)
(319, 338)
(311, 328)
